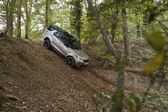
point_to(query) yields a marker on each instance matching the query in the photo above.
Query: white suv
(66, 45)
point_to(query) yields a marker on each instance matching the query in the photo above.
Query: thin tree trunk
(138, 27)
(125, 32)
(47, 14)
(145, 23)
(78, 18)
(71, 19)
(27, 20)
(75, 17)
(105, 37)
(114, 21)
(118, 105)
(10, 18)
(19, 13)
(7, 14)
(119, 94)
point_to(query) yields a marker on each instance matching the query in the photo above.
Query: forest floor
(41, 82)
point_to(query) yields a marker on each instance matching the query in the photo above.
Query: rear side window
(57, 34)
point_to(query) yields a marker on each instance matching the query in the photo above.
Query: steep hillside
(40, 81)
(43, 82)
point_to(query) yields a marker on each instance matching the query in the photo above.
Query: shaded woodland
(124, 37)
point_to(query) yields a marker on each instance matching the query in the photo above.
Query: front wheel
(70, 61)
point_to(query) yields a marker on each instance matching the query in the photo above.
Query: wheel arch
(69, 56)
(47, 38)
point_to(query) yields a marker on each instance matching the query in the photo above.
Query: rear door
(57, 42)
(64, 45)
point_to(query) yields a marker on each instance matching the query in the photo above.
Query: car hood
(81, 54)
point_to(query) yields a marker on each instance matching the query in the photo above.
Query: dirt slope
(42, 82)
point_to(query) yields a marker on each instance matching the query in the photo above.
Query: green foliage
(75, 17)
(154, 63)
(60, 13)
(89, 30)
(157, 41)
(109, 57)
(133, 102)
(98, 98)
(132, 105)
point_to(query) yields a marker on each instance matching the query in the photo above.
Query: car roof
(57, 28)
(61, 30)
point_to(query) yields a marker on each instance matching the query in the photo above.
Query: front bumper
(82, 62)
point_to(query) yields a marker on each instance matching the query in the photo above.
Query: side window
(57, 34)
(65, 40)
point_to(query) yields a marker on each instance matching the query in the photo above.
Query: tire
(86, 66)
(47, 44)
(69, 60)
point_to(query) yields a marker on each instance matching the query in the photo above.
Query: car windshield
(70, 41)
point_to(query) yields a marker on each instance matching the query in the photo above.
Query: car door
(63, 45)
(56, 41)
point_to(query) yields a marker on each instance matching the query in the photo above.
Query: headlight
(81, 59)
(77, 56)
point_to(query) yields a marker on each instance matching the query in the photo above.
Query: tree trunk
(125, 32)
(27, 20)
(138, 27)
(105, 37)
(70, 17)
(47, 14)
(28, 11)
(114, 21)
(10, 18)
(119, 94)
(7, 14)
(75, 17)
(78, 18)
(19, 13)
(118, 104)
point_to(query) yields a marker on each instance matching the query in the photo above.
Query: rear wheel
(46, 43)
(70, 61)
